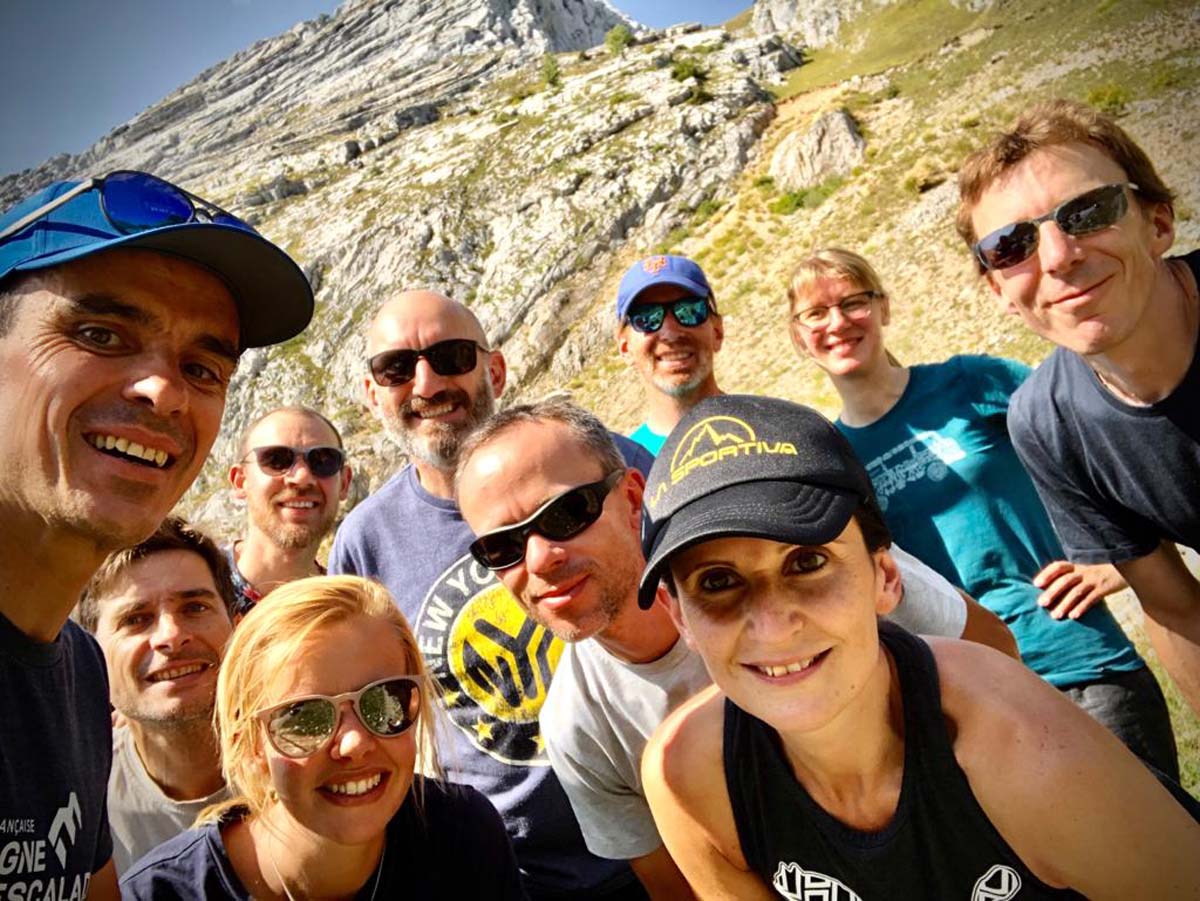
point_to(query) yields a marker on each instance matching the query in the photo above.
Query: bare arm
(660, 876)
(103, 884)
(685, 785)
(984, 627)
(1170, 597)
(1035, 762)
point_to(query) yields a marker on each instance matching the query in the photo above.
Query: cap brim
(274, 300)
(791, 512)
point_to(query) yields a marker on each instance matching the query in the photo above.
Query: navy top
(457, 848)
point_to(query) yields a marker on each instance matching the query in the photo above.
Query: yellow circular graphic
(500, 657)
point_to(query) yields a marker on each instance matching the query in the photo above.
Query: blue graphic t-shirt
(493, 665)
(955, 494)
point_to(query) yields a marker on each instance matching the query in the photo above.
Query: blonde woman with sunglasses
(935, 442)
(325, 722)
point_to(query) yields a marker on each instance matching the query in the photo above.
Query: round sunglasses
(560, 518)
(689, 312)
(279, 459)
(456, 356)
(1081, 215)
(301, 727)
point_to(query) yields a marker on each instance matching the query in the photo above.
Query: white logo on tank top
(798, 884)
(1000, 883)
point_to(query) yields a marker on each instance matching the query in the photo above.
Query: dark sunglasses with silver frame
(563, 516)
(1084, 214)
(455, 356)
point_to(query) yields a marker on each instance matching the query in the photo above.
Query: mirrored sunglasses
(278, 459)
(560, 518)
(302, 727)
(856, 307)
(456, 356)
(689, 312)
(137, 201)
(1089, 212)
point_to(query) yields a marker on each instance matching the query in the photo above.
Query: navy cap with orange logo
(748, 466)
(660, 270)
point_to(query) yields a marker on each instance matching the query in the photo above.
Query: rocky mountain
(403, 143)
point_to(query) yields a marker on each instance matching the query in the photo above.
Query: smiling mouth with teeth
(177, 672)
(357, 787)
(797, 666)
(125, 449)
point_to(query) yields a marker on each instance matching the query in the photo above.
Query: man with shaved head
(431, 378)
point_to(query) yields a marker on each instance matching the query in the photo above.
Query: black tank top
(939, 845)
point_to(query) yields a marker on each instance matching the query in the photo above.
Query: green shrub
(618, 38)
(551, 76)
(685, 67)
(1111, 99)
(765, 183)
(705, 210)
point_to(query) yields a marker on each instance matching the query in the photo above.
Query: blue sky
(72, 70)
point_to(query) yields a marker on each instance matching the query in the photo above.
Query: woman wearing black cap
(841, 759)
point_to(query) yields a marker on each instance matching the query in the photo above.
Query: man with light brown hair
(1070, 225)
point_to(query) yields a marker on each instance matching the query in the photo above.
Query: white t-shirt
(140, 815)
(601, 711)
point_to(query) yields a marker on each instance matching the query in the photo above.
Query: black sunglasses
(456, 356)
(135, 202)
(560, 518)
(1089, 212)
(688, 312)
(303, 726)
(278, 459)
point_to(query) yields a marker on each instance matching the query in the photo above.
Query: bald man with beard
(431, 378)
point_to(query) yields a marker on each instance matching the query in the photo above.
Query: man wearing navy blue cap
(668, 329)
(125, 302)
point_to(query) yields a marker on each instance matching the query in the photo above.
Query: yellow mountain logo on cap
(711, 441)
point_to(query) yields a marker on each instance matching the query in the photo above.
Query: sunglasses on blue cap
(134, 202)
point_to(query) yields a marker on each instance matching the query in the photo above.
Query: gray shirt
(140, 815)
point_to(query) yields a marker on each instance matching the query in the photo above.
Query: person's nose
(426, 382)
(160, 385)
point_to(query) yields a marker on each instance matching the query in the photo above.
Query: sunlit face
(133, 348)
(676, 360)
(844, 344)
(296, 509)
(789, 633)
(430, 415)
(576, 587)
(1087, 294)
(163, 626)
(348, 791)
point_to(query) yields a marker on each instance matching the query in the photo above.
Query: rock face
(831, 146)
(817, 21)
(404, 144)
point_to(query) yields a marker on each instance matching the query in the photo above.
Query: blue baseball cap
(274, 299)
(663, 269)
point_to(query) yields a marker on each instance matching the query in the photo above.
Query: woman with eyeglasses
(326, 725)
(935, 442)
(841, 757)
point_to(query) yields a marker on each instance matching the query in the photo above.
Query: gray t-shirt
(140, 815)
(601, 711)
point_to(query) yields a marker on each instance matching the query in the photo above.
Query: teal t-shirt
(651, 441)
(954, 493)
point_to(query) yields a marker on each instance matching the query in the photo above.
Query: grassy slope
(927, 81)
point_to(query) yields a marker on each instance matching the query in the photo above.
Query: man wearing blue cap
(668, 329)
(125, 302)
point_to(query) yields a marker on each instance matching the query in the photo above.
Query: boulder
(831, 146)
